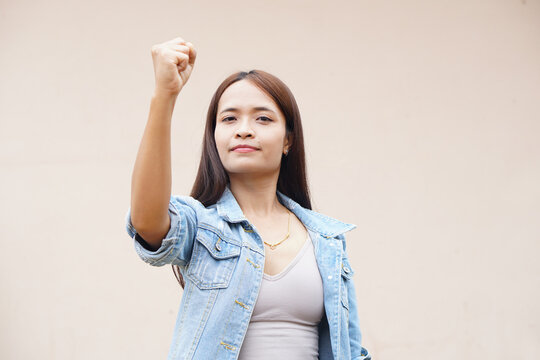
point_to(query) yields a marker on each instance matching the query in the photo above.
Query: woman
(264, 276)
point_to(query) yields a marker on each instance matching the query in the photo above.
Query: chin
(242, 169)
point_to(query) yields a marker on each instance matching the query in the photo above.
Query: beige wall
(422, 127)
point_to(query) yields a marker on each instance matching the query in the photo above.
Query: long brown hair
(212, 178)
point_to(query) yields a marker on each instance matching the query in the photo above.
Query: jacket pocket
(346, 276)
(213, 260)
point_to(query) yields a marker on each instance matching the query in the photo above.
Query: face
(248, 116)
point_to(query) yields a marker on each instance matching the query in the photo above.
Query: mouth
(244, 148)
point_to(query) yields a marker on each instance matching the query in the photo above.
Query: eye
(264, 117)
(228, 117)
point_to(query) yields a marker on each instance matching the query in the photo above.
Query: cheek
(222, 145)
(273, 143)
(220, 140)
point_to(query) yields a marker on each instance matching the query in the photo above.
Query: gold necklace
(273, 246)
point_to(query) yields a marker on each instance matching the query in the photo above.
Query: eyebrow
(257, 108)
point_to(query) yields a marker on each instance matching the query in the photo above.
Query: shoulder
(186, 200)
(203, 213)
(328, 226)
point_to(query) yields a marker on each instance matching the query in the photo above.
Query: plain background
(422, 127)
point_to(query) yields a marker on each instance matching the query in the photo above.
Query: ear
(288, 141)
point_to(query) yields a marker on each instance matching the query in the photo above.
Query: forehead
(243, 95)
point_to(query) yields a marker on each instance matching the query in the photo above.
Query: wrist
(162, 94)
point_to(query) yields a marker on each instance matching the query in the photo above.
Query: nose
(244, 130)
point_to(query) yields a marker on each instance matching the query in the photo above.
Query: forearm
(151, 178)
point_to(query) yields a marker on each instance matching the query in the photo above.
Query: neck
(257, 198)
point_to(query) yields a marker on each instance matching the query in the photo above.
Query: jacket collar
(329, 227)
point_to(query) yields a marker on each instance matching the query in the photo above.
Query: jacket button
(346, 269)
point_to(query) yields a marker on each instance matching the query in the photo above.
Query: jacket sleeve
(177, 245)
(358, 352)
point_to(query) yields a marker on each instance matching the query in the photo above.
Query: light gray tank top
(288, 309)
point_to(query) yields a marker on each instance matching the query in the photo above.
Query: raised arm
(151, 179)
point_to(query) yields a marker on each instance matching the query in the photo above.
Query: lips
(244, 147)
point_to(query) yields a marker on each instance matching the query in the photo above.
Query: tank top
(289, 307)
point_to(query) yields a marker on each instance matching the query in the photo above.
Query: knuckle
(155, 49)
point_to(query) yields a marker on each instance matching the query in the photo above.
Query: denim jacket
(221, 257)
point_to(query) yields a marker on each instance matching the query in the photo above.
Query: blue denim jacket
(221, 257)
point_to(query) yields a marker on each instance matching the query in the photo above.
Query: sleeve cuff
(163, 254)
